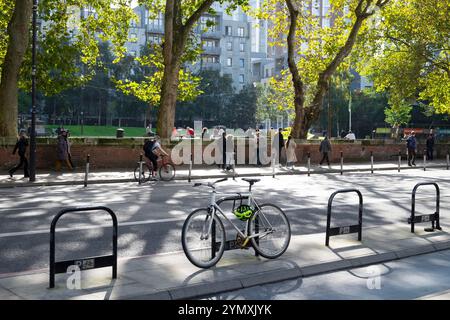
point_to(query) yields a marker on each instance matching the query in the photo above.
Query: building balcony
(211, 34)
(215, 66)
(155, 29)
(212, 50)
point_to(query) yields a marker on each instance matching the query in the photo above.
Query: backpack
(409, 143)
(148, 146)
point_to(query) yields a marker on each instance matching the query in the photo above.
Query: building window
(208, 23)
(241, 47)
(209, 44)
(156, 22)
(241, 78)
(228, 31)
(316, 8)
(155, 39)
(210, 59)
(240, 32)
(229, 62)
(229, 45)
(241, 63)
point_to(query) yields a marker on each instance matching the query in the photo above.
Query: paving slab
(50, 178)
(172, 276)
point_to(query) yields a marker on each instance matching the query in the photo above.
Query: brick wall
(124, 153)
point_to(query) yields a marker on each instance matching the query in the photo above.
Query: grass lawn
(100, 131)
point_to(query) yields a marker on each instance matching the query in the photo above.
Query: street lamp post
(33, 97)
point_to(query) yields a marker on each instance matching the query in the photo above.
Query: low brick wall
(124, 153)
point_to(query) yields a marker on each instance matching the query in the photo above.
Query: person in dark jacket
(430, 147)
(325, 148)
(278, 144)
(411, 145)
(21, 147)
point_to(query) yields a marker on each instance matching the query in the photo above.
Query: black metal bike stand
(434, 217)
(83, 263)
(357, 228)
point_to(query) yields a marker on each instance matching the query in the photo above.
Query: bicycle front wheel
(167, 172)
(145, 173)
(274, 229)
(202, 249)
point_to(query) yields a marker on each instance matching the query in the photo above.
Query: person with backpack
(152, 150)
(21, 147)
(411, 145)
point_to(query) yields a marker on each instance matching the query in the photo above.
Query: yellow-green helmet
(243, 212)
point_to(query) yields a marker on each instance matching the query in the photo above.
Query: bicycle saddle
(251, 181)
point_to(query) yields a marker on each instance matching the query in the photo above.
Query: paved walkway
(202, 172)
(171, 276)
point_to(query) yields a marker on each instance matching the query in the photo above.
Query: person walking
(257, 142)
(278, 145)
(69, 152)
(290, 153)
(21, 147)
(430, 147)
(221, 148)
(411, 145)
(229, 152)
(62, 151)
(325, 148)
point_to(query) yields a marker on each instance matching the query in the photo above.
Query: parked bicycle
(267, 228)
(166, 170)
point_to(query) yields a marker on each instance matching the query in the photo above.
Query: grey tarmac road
(420, 277)
(151, 216)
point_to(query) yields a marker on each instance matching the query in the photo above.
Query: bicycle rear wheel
(145, 173)
(198, 248)
(272, 219)
(167, 172)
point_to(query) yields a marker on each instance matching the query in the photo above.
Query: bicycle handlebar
(209, 184)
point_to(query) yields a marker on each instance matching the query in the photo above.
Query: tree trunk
(175, 37)
(298, 130)
(166, 112)
(18, 31)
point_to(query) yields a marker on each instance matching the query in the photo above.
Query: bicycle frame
(214, 207)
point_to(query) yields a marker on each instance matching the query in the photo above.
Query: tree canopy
(408, 56)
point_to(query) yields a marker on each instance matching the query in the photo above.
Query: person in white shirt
(350, 136)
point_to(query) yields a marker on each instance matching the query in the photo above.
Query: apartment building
(226, 43)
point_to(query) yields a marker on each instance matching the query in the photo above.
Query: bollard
(234, 168)
(190, 169)
(371, 161)
(86, 174)
(448, 160)
(309, 164)
(342, 163)
(140, 168)
(399, 160)
(424, 160)
(273, 165)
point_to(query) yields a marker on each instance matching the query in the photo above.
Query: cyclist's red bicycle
(166, 170)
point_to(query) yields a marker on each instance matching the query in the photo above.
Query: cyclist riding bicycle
(152, 150)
